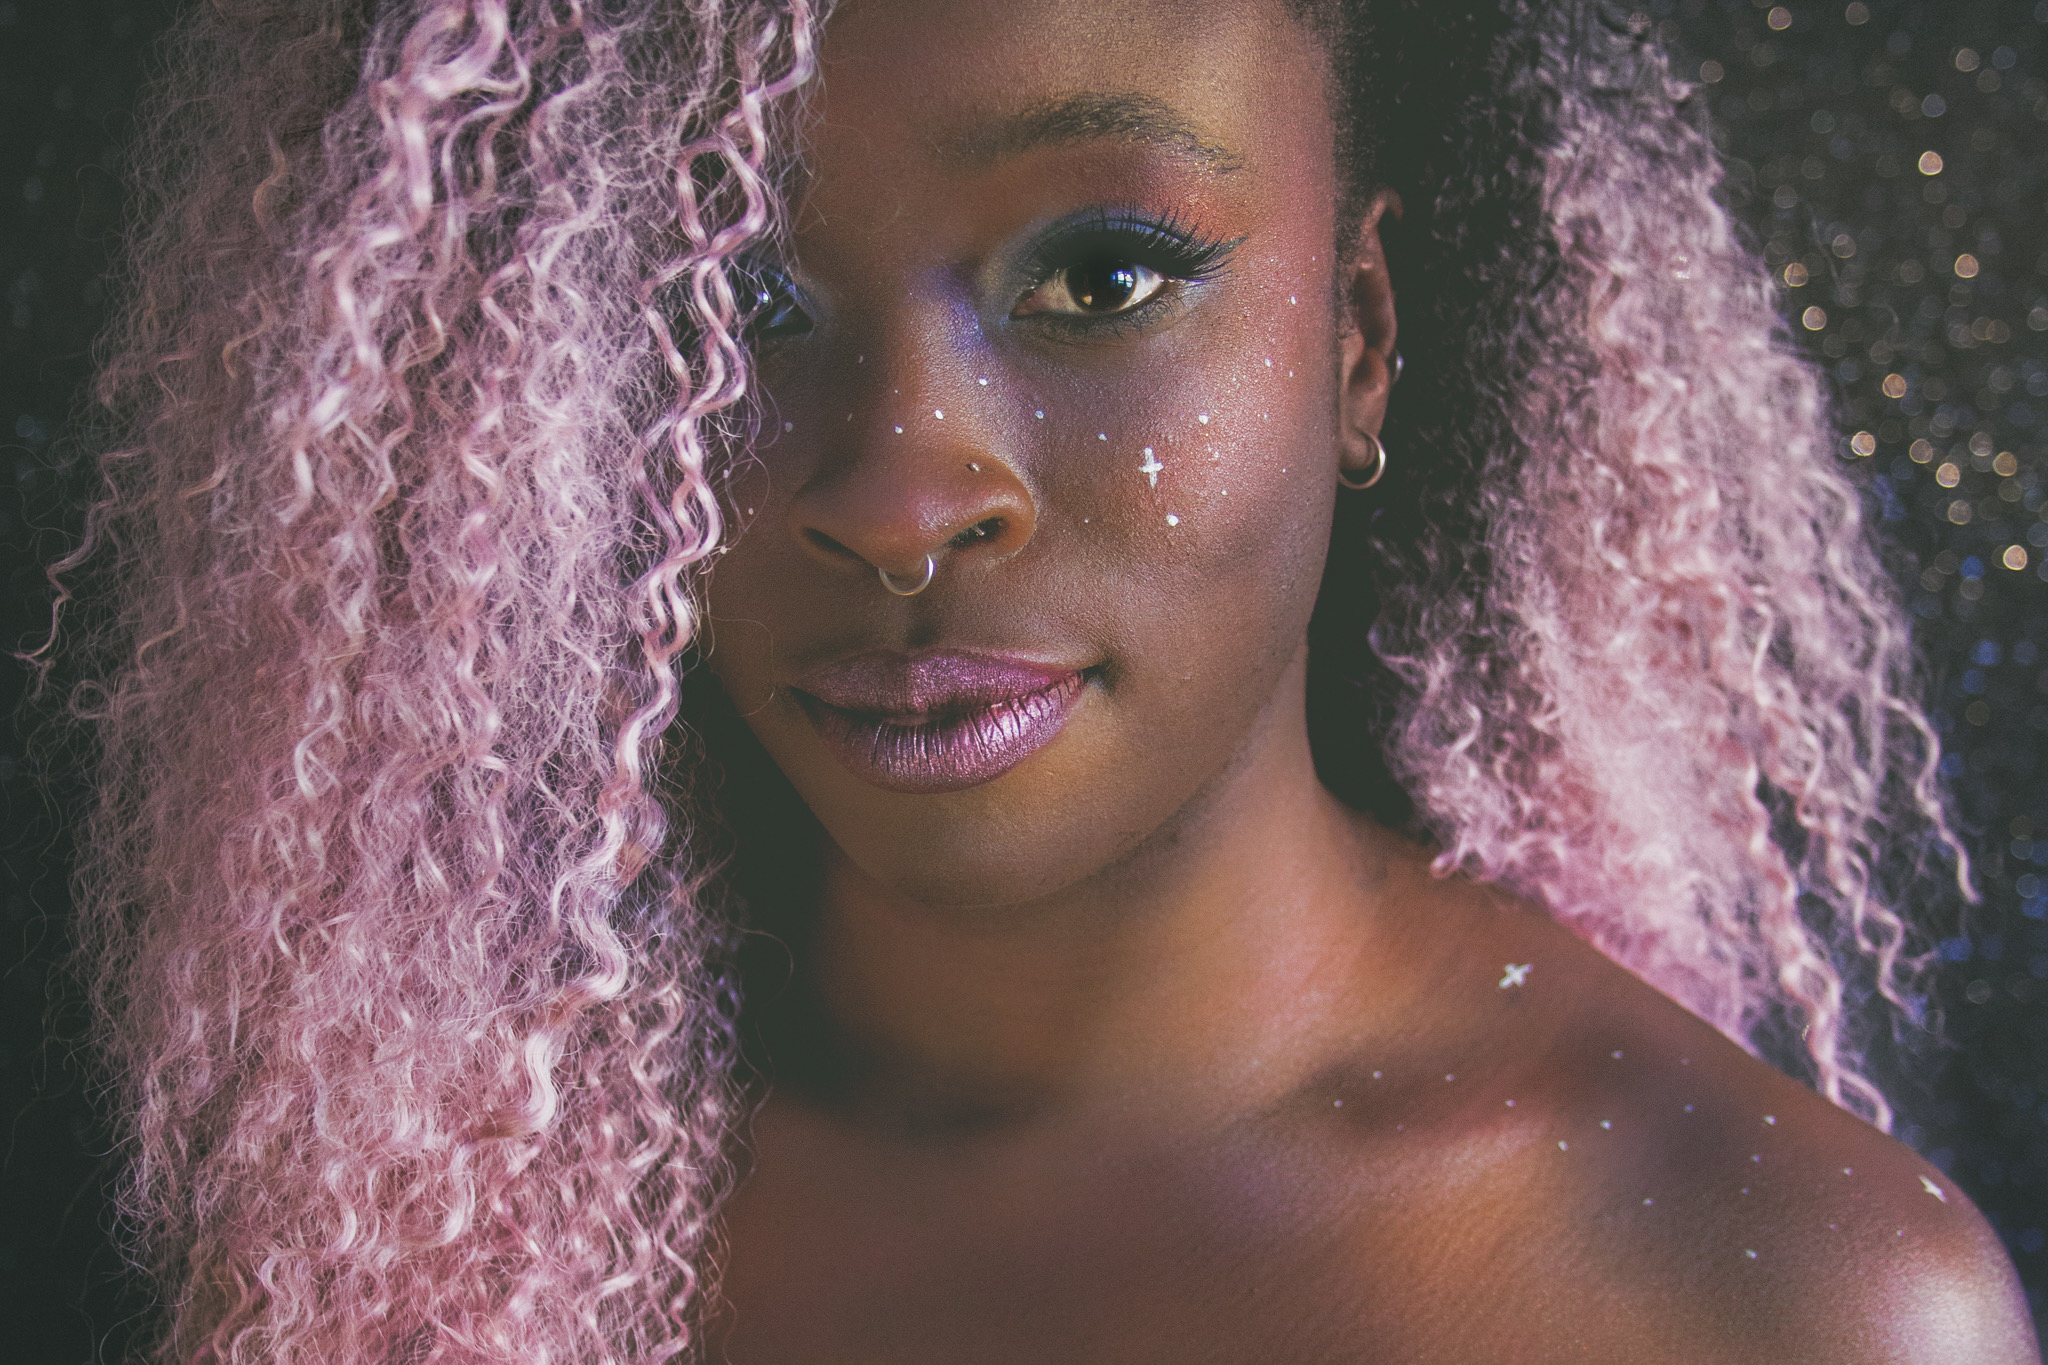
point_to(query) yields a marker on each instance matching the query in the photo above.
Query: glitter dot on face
(1039, 413)
(1605, 1124)
(1203, 419)
(1750, 1254)
(939, 414)
(1771, 1119)
(983, 381)
(1375, 1075)
(1688, 1109)
(899, 431)
(1562, 1146)
(1649, 1201)
(1172, 520)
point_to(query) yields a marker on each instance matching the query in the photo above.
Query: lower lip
(948, 752)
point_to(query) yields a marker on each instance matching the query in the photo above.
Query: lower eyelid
(1137, 318)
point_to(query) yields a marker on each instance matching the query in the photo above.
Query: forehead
(959, 90)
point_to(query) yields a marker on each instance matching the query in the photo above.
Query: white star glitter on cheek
(1150, 469)
(1516, 975)
(1933, 1189)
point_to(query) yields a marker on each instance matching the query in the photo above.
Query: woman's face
(1060, 314)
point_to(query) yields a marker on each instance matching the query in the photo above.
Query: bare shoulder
(1588, 1171)
(1772, 1224)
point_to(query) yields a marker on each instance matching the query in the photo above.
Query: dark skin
(1148, 1049)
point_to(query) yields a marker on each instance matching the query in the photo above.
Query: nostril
(986, 529)
(830, 546)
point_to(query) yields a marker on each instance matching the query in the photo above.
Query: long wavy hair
(410, 959)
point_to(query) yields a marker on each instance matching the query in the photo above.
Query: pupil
(1101, 286)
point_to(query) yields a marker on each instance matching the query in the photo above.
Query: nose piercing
(931, 566)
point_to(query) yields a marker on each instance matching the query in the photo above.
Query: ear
(1365, 344)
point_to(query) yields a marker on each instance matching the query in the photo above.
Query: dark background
(1925, 295)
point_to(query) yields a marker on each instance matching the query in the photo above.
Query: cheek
(1214, 464)
(743, 603)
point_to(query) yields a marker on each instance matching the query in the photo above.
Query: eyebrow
(1083, 118)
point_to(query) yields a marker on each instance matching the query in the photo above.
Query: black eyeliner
(1162, 242)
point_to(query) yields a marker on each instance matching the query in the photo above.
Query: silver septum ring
(931, 567)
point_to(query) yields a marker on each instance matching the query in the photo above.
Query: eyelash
(1166, 244)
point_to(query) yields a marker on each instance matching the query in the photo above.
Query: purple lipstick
(937, 722)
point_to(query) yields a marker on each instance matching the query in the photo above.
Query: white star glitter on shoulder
(1516, 974)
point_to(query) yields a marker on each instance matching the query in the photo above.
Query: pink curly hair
(410, 962)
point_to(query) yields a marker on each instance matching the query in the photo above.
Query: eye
(1097, 287)
(1109, 266)
(770, 310)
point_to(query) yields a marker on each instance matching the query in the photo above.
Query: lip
(937, 722)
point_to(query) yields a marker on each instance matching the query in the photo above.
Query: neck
(1209, 952)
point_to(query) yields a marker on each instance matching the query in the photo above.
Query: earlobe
(1367, 361)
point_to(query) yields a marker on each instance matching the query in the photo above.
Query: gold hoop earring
(931, 567)
(1379, 467)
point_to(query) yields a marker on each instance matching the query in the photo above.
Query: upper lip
(911, 687)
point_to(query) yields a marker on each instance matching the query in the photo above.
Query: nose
(914, 478)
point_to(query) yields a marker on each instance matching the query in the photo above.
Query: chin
(1054, 820)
